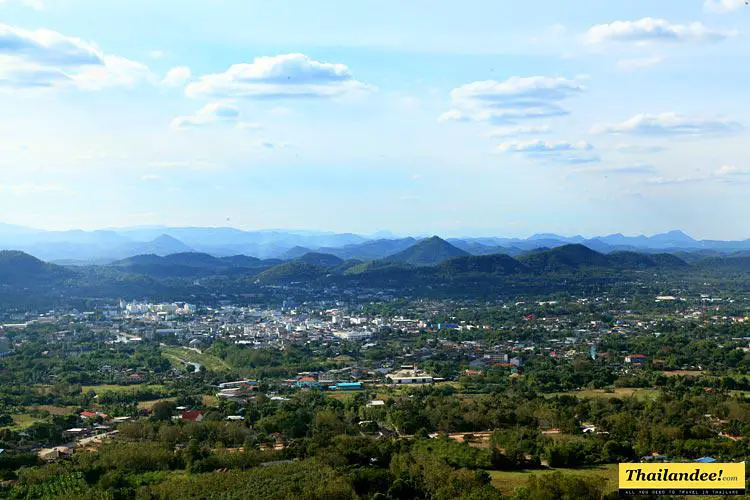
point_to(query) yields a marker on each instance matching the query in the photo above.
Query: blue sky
(487, 117)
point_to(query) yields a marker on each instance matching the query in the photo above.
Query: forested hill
(426, 265)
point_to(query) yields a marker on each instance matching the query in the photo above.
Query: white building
(353, 335)
(409, 376)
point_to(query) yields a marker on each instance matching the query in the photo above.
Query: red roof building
(192, 415)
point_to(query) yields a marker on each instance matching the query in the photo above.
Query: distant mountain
(476, 248)
(320, 259)
(370, 250)
(161, 245)
(428, 252)
(295, 253)
(189, 264)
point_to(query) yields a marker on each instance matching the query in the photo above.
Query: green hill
(428, 252)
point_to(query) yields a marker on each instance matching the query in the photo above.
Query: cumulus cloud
(177, 76)
(45, 59)
(212, 113)
(517, 98)
(726, 174)
(519, 130)
(639, 63)
(637, 169)
(539, 146)
(573, 153)
(723, 5)
(669, 181)
(732, 172)
(288, 76)
(649, 29)
(669, 124)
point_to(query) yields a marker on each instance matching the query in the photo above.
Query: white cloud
(519, 130)
(34, 4)
(46, 59)
(517, 98)
(726, 174)
(667, 181)
(212, 113)
(572, 153)
(177, 76)
(732, 171)
(671, 123)
(639, 148)
(157, 54)
(639, 63)
(723, 5)
(288, 76)
(183, 165)
(654, 30)
(637, 169)
(539, 146)
(271, 145)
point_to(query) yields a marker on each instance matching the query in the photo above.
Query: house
(306, 381)
(636, 359)
(88, 414)
(56, 453)
(192, 415)
(409, 376)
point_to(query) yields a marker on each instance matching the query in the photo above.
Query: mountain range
(426, 266)
(77, 247)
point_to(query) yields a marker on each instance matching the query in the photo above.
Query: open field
(508, 481)
(683, 373)
(54, 410)
(23, 420)
(101, 389)
(147, 405)
(177, 355)
(620, 392)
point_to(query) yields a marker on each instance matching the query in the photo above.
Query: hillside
(19, 268)
(497, 264)
(370, 250)
(564, 258)
(320, 259)
(428, 252)
(190, 264)
(292, 271)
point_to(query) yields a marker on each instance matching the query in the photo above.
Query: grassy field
(179, 354)
(147, 405)
(508, 481)
(54, 410)
(101, 389)
(683, 373)
(619, 392)
(24, 420)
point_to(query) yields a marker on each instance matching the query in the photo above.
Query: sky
(479, 117)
